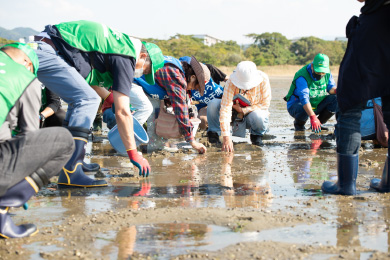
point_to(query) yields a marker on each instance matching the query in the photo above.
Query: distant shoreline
(279, 70)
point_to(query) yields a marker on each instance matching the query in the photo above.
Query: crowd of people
(87, 64)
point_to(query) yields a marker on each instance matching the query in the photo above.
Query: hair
(188, 71)
(144, 50)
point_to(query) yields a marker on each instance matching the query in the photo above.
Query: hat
(246, 75)
(29, 52)
(157, 59)
(321, 63)
(202, 73)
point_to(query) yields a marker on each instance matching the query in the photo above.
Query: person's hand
(108, 101)
(199, 147)
(227, 144)
(315, 124)
(237, 107)
(140, 162)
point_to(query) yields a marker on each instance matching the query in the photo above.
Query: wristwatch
(42, 117)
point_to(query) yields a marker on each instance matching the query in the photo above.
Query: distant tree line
(267, 49)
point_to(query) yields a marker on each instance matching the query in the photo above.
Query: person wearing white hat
(254, 91)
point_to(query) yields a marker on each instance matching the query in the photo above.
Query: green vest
(317, 89)
(90, 36)
(14, 79)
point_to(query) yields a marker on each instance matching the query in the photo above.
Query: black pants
(48, 148)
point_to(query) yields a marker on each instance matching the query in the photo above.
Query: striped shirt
(259, 96)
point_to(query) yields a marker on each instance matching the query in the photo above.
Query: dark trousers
(48, 148)
(348, 137)
(298, 112)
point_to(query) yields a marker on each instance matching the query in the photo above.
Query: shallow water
(284, 177)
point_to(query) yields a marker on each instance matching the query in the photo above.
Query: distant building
(341, 39)
(207, 39)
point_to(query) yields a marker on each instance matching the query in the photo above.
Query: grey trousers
(48, 148)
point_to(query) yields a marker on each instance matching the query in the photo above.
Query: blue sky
(223, 19)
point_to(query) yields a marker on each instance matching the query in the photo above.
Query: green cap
(157, 59)
(29, 52)
(321, 63)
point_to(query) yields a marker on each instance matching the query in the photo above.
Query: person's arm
(26, 110)
(122, 69)
(331, 88)
(225, 116)
(265, 98)
(53, 103)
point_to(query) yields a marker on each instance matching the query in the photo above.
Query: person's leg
(327, 108)
(348, 141)
(383, 185)
(26, 166)
(202, 115)
(299, 114)
(83, 102)
(213, 108)
(140, 102)
(258, 122)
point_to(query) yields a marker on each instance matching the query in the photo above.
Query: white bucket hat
(246, 75)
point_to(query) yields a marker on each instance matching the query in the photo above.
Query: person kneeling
(254, 88)
(308, 95)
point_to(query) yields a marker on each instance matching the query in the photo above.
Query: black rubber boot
(299, 125)
(90, 167)
(213, 137)
(17, 196)
(256, 140)
(347, 169)
(382, 185)
(72, 174)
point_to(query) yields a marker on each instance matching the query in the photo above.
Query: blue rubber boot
(382, 185)
(72, 174)
(90, 167)
(347, 169)
(17, 196)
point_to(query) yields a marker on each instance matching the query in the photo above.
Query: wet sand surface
(258, 203)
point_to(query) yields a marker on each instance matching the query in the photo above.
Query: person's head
(23, 54)
(149, 61)
(197, 75)
(246, 75)
(320, 66)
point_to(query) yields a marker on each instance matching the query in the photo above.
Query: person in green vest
(309, 95)
(79, 61)
(31, 158)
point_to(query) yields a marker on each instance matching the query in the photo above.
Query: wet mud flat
(258, 203)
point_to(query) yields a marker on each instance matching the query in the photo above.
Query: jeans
(63, 79)
(48, 148)
(139, 102)
(329, 103)
(256, 121)
(348, 137)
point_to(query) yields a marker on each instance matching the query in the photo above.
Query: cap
(157, 59)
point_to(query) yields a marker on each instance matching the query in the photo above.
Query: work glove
(108, 101)
(140, 162)
(315, 124)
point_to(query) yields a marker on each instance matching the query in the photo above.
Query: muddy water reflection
(166, 240)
